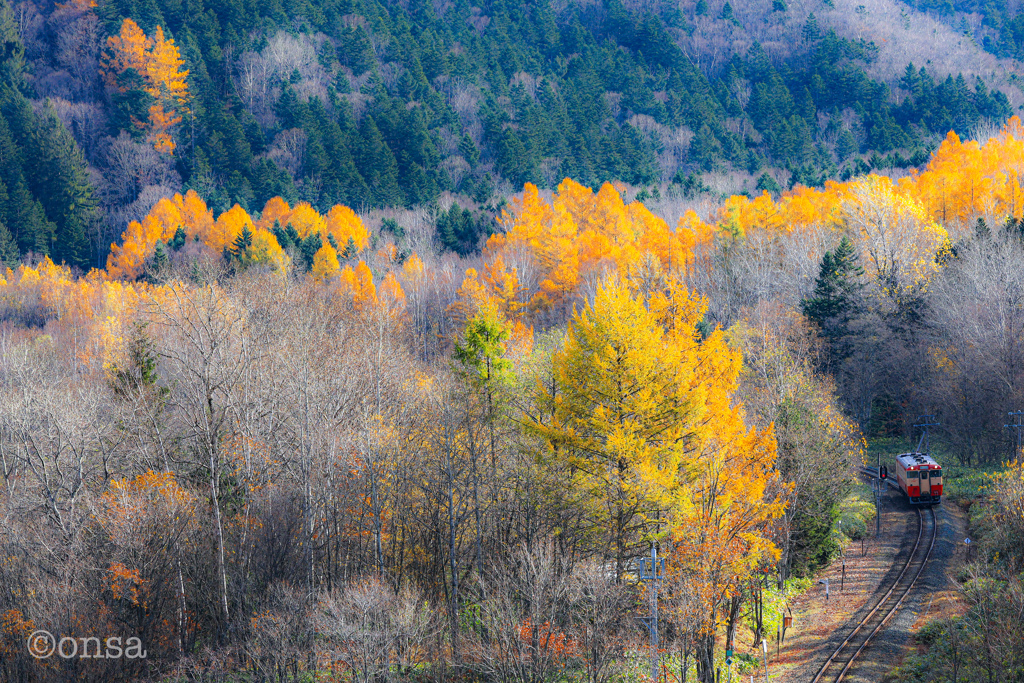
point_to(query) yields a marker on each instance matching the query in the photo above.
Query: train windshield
(912, 474)
(924, 474)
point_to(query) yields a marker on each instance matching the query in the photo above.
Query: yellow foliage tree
(900, 240)
(412, 269)
(639, 417)
(580, 234)
(163, 68)
(343, 223)
(306, 220)
(227, 228)
(325, 263)
(265, 250)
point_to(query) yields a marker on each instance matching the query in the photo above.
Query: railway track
(836, 668)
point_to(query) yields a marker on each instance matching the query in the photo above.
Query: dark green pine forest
(377, 104)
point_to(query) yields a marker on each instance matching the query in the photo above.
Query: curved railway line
(846, 655)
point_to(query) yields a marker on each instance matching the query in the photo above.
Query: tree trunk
(221, 565)
(730, 634)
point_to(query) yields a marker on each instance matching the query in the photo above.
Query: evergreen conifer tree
(705, 148)
(811, 30)
(377, 165)
(160, 260)
(309, 247)
(12, 51)
(845, 145)
(282, 236)
(836, 298)
(766, 183)
(239, 250)
(178, 241)
(8, 247)
(56, 173)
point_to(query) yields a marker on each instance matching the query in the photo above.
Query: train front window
(924, 474)
(912, 474)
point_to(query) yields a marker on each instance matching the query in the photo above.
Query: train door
(913, 484)
(925, 484)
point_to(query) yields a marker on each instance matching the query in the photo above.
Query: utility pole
(923, 424)
(1019, 426)
(878, 507)
(651, 572)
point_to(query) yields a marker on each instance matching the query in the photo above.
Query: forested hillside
(356, 340)
(278, 444)
(376, 104)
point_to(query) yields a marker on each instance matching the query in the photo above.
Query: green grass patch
(855, 512)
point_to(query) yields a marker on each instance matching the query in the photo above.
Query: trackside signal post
(877, 483)
(651, 572)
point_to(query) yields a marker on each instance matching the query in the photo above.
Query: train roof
(917, 460)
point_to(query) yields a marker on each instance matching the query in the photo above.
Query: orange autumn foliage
(276, 210)
(161, 122)
(358, 284)
(391, 290)
(163, 69)
(227, 228)
(138, 241)
(128, 503)
(124, 583)
(14, 629)
(579, 234)
(558, 642)
(961, 182)
(343, 223)
(159, 63)
(127, 50)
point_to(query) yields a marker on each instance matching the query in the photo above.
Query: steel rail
(884, 599)
(899, 603)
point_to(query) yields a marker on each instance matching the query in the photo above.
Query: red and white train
(920, 477)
